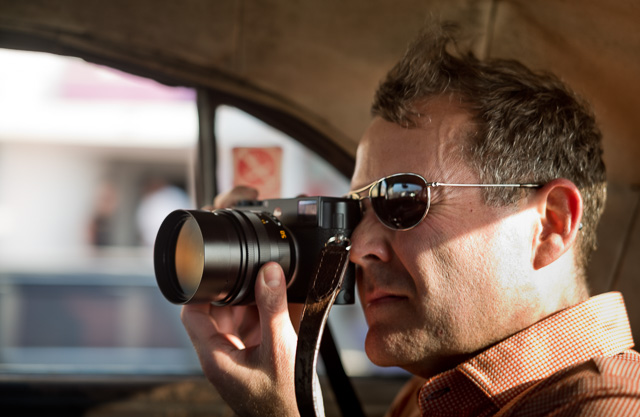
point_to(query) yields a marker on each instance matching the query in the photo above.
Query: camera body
(312, 221)
(203, 256)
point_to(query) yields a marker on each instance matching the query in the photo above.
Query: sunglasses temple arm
(441, 184)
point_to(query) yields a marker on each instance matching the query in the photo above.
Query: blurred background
(91, 161)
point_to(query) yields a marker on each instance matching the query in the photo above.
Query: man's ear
(559, 204)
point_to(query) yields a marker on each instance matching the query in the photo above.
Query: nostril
(372, 257)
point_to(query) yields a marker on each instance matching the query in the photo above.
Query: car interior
(113, 114)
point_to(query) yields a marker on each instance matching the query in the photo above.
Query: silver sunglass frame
(356, 194)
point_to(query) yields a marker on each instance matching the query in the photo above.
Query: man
(471, 269)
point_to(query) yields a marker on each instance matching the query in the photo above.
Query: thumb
(271, 299)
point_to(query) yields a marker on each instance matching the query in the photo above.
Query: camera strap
(322, 293)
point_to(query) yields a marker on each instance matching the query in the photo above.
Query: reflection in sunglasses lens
(399, 202)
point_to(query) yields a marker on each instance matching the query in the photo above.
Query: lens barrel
(203, 256)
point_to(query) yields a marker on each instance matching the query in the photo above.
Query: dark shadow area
(69, 396)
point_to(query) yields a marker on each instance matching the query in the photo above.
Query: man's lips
(381, 298)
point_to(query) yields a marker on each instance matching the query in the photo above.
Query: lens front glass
(189, 259)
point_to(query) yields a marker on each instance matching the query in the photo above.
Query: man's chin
(384, 349)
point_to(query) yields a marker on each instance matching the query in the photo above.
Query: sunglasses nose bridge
(369, 213)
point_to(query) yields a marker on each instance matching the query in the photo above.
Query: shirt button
(437, 394)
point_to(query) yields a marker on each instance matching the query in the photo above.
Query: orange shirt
(575, 362)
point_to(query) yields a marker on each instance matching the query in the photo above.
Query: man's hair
(530, 128)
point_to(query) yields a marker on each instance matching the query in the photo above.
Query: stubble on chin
(421, 340)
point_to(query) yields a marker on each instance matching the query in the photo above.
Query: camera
(214, 256)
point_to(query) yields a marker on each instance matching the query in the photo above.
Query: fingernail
(272, 276)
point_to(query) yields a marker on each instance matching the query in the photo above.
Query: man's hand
(248, 352)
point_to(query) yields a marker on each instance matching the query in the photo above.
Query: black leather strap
(322, 292)
(345, 394)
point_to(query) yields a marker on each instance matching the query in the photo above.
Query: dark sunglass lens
(400, 202)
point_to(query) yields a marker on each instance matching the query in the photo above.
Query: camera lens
(203, 256)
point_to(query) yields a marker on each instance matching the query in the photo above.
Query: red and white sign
(260, 168)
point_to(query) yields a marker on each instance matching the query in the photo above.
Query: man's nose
(370, 240)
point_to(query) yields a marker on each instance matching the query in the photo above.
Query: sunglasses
(401, 201)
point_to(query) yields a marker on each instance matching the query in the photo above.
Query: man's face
(454, 284)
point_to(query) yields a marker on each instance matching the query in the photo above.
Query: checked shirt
(577, 362)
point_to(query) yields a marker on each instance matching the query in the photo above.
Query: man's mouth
(382, 298)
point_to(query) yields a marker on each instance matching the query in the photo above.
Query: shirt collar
(596, 327)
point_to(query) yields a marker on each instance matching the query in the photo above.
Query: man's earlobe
(560, 207)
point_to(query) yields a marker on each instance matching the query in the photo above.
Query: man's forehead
(427, 149)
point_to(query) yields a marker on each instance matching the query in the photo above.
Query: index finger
(206, 324)
(237, 194)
